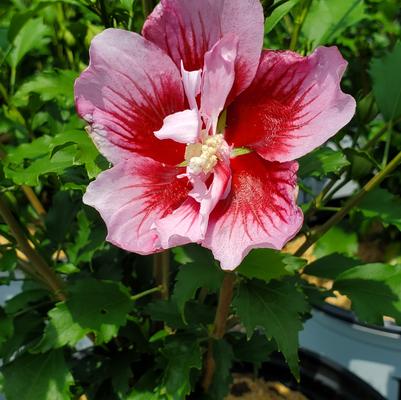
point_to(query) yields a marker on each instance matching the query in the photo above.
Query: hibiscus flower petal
(260, 210)
(188, 223)
(294, 104)
(182, 127)
(218, 78)
(128, 89)
(187, 29)
(132, 196)
(192, 84)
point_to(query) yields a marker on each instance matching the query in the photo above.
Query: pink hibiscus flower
(202, 128)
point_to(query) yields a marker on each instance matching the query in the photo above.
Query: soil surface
(248, 388)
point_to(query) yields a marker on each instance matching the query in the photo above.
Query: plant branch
(219, 326)
(299, 21)
(161, 270)
(51, 279)
(349, 205)
(138, 296)
(147, 6)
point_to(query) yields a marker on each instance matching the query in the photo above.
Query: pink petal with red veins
(132, 196)
(189, 222)
(128, 89)
(180, 227)
(260, 210)
(182, 127)
(294, 105)
(218, 78)
(187, 29)
(192, 83)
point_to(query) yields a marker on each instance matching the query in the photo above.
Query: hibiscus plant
(183, 181)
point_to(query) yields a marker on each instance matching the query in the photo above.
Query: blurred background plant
(91, 320)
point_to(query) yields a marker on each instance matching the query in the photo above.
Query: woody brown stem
(219, 326)
(40, 266)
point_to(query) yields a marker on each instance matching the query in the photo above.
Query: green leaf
(34, 377)
(6, 328)
(8, 260)
(255, 350)
(85, 152)
(329, 267)
(361, 163)
(382, 204)
(386, 77)
(27, 327)
(191, 277)
(374, 290)
(193, 254)
(61, 330)
(88, 240)
(33, 35)
(322, 162)
(276, 307)
(50, 86)
(267, 264)
(27, 162)
(223, 356)
(181, 356)
(337, 240)
(100, 307)
(166, 311)
(278, 13)
(25, 299)
(327, 19)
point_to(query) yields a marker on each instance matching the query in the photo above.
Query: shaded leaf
(181, 355)
(386, 77)
(191, 277)
(33, 377)
(255, 349)
(166, 311)
(329, 267)
(276, 307)
(380, 203)
(223, 356)
(100, 307)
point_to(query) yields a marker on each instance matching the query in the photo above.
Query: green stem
(219, 326)
(388, 142)
(299, 21)
(103, 14)
(41, 268)
(147, 7)
(146, 293)
(349, 205)
(276, 5)
(12, 79)
(379, 134)
(161, 270)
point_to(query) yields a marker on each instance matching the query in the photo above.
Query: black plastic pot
(321, 379)
(370, 351)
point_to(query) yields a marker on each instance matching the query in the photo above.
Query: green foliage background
(110, 337)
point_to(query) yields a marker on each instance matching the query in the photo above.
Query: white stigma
(203, 157)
